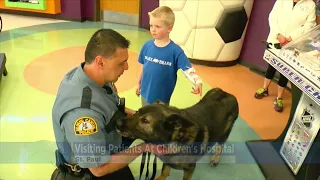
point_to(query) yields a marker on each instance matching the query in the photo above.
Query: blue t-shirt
(160, 66)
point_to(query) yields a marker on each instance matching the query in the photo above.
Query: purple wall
(70, 9)
(77, 9)
(258, 30)
(87, 7)
(147, 6)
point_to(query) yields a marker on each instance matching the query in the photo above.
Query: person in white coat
(317, 10)
(288, 20)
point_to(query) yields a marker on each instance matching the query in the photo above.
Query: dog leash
(143, 160)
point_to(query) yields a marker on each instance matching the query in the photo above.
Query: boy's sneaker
(261, 93)
(278, 105)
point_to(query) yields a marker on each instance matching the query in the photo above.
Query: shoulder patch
(85, 126)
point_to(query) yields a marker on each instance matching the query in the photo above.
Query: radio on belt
(122, 104)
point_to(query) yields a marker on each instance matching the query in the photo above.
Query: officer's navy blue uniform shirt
(80, 130)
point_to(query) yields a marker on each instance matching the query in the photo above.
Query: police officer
(88, 145)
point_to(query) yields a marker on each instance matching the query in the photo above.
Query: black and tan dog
(191, 130)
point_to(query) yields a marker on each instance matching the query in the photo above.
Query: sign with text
(298, 79)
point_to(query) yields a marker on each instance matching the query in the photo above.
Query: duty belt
(76, 171)
(74, 168)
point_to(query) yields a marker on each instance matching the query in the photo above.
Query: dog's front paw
(215, 161)
(160, 177)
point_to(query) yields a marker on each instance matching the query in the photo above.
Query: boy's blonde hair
(164, 13)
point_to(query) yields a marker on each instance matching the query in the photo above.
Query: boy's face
(159, 30)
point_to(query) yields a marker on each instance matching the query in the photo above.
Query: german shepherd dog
(208, 121)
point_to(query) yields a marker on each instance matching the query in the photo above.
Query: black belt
(76, 171)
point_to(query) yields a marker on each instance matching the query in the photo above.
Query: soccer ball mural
(210, 30)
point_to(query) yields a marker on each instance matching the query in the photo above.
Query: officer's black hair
(104, 42)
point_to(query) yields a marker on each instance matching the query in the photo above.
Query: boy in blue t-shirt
(161, 59)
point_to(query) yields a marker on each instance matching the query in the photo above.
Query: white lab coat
(291, 21)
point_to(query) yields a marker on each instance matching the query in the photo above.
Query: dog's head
(158, 122)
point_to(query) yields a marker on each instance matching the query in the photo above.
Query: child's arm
(139, 80)
(195, 80)
(192, 76)
(184, 64)
(140, 71)
(187, 69)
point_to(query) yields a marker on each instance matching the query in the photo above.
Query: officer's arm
(85, 132)
(118, 161)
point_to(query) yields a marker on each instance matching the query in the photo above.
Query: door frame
(97, 11)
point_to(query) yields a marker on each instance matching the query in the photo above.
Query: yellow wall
(126, 6)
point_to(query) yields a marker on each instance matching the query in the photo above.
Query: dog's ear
(180, 128)
(173, 122)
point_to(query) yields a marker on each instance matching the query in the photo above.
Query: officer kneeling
(85, 107)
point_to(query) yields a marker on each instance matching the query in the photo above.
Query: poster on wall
(27, 4)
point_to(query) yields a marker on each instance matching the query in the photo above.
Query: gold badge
(85, 126)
